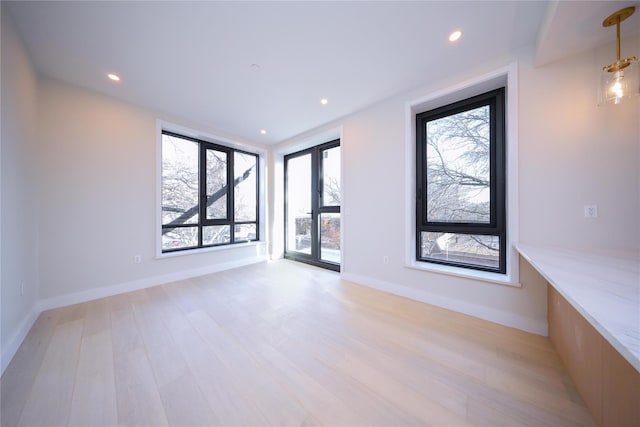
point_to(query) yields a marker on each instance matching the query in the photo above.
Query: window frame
(317, 205)
(497, 225)
(203, 221)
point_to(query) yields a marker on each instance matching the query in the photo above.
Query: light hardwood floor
(281, 344)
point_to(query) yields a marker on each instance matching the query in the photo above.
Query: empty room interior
(320, 213)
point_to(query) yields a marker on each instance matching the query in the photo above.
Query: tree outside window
(199, 207)
(460, 181)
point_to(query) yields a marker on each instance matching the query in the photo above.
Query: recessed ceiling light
(113, 77)
(455, 36)
(324, 101)
(263, 132)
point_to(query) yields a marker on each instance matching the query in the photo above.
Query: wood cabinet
(608, 384)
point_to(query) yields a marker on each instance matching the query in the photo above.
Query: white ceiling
(575, 26)
(192, 60)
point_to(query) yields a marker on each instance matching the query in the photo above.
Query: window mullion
(257, 213)
(315, 202)
(187, 160)
(202, 187)
(230, 194)
(461, 228)
(493, 165)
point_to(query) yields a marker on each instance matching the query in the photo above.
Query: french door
(312, 205)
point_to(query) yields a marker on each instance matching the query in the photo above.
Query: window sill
(210, 249)
(483, 276)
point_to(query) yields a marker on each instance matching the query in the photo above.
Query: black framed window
(199, 206)
(313, 197)
(460, 173)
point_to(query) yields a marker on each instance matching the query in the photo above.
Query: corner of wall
(490, 314)
(18, 226)
(10, 346)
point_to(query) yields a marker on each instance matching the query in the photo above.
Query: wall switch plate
(22, 289)
(137, 259)
(385, 260)
(591, 211)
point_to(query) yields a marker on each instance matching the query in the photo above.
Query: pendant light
(619, 79)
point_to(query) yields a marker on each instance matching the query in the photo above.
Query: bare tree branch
(481, 243)
(210, 201)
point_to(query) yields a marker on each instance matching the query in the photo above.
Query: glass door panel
(331, 193)
(330, 237)
(312, 206)
(299, 205)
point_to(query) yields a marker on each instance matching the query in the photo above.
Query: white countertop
(603, 287)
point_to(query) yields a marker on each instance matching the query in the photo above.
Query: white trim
(220, 248)
(134, 285)
(13, 344)
(343, 206)
(216, 139)
(485, 276)
(503, 76)
(186, 131)
(482, 312)
(158, 205)
(309, 140)
(10, 350)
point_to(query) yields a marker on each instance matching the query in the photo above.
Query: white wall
(79, 197)
(574, 153)
(98, 193)
(374, 219)
(79, 186)
(19, 192)
(571, 153)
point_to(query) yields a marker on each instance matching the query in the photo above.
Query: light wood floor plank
(138, 398)
(229, 404)
(271, 400)
(125, 335)
(97, 318)
(474, 364)
(229, 401)
(360, 361)
(183, 401)
(94, 393)
(50, 399)
(312, 395)
(20, 375)
(281, 343)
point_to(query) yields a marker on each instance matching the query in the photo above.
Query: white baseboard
(9, 350)
(482, 312)
(147, 282)
(18, 337)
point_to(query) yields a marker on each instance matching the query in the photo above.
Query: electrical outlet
(137, 259)
(591, 211)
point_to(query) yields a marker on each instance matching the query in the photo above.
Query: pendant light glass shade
(620, 80)
(619, 86)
